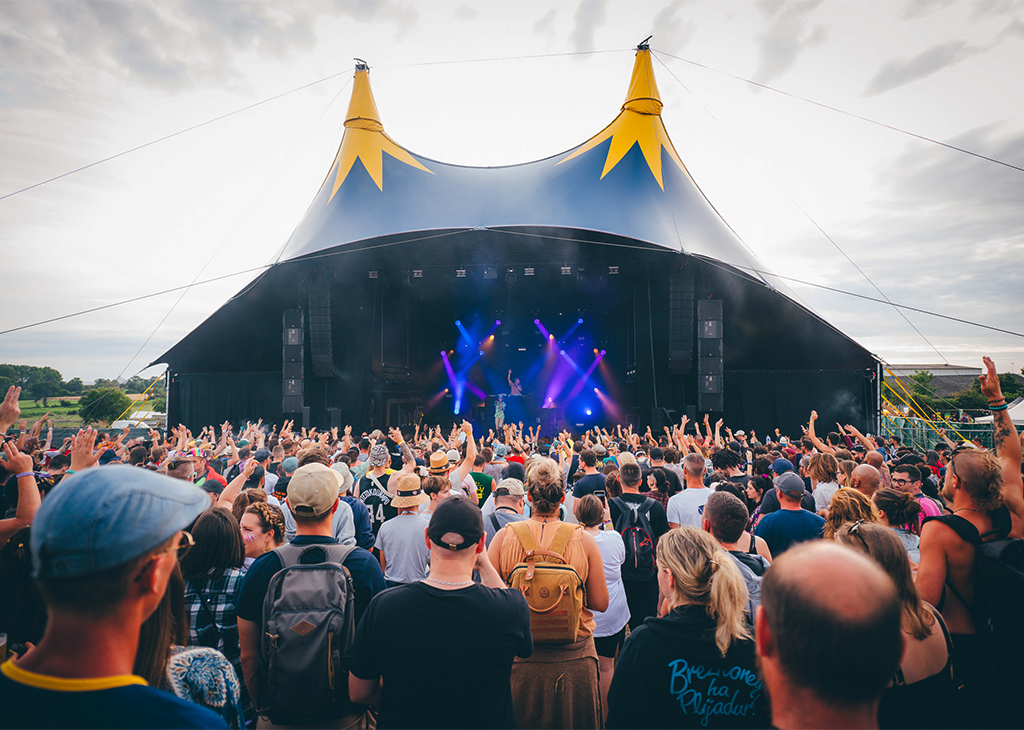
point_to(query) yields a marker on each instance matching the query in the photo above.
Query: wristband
(70, 471)
(25, 474)
(998, 408)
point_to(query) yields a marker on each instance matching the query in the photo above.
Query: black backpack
(308, 629)
(634, 524)
(998, 597)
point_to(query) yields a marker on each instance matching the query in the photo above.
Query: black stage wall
(394, 302)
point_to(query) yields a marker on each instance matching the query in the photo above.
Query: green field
(61, 416)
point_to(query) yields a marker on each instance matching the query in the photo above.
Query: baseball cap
(781, 466)
(512, 487)
(600, 450)
(500, 452)
(741, 432)
(108, 456)
(379, 455)
(789, 483)
(313, 490)
(100, 519)
(453, 456)
(456, 524)
(289, 465)
(261, 454)
(345, 475)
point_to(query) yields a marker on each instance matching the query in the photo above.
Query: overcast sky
(80, 81)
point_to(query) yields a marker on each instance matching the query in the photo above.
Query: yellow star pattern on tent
(365, 139)
(639, 122)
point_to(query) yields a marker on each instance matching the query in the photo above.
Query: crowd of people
(289, 577)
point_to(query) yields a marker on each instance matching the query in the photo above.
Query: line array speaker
(710, 372)
(680, 323)
(320, 329)
(293, 355)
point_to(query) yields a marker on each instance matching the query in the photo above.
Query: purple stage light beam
(583, 380)
(572, 329)
(543, 329)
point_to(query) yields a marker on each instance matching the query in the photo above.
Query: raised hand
(989, 381)
(82, 445)
(9, 409)
(18, 462)
(814, 416)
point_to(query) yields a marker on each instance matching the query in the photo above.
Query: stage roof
(627, 180)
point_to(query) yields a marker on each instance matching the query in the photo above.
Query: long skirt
(558, 687)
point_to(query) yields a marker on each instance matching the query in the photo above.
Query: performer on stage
(517, 389)
(499, 414)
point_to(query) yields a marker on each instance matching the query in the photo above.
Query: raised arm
(20, 464)
(1007, 446)
(467, 464)
(818, 443)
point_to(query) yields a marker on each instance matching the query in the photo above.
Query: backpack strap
(494, 522)
(562, 538)
(645, 508)
(291, 555)
(962, 527)
(522, 532)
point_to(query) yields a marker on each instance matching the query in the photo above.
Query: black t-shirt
(588, 485)
(657, 516)
(445, 656)
(674, 485)
(377, 501)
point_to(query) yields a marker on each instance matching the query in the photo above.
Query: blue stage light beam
(496, 325)
(572, 329)
(465, 334)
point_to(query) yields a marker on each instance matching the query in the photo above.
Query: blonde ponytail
(704, 574)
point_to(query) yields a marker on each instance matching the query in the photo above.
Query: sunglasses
(184, 544)
(855, 530)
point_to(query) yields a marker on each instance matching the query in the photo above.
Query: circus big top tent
(602, 277)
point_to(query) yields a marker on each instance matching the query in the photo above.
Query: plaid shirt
(212, 621)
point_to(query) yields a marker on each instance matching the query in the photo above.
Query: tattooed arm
(1007, 447)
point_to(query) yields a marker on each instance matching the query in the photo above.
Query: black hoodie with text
(670, 674)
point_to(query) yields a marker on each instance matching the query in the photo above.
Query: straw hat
(408, 492)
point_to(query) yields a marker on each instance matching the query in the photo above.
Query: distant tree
(1011, 386)
(104, 383)
(74, 386)
(135, 384)
(102, 405)
(922, 388)
(970, 399)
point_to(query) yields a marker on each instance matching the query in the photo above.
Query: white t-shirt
(823, 494)
(687, 508)
(613, 554)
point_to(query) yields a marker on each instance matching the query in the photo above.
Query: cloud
(545, 24)
(786, 37)
(590, 15)
(48, 45)
(922, 8)
(464, 12)
(901, 71)
(671, 32)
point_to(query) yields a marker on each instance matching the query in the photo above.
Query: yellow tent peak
(362, 109)
(639, 123)
(643, 96)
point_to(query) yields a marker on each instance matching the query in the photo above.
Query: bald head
(829, 624)
(874, 458)
(866, 479)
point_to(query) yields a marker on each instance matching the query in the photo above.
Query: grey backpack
(309, 625)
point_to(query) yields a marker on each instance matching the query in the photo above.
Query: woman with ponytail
(695, 666)
(902, 512)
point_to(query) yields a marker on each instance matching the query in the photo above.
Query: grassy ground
(61, 416)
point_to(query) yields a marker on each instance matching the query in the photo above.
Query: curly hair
(848, 505)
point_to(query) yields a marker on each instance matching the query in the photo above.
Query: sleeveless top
(512, 554)
(928, 703)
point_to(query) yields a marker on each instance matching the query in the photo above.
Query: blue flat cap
(99, 519)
